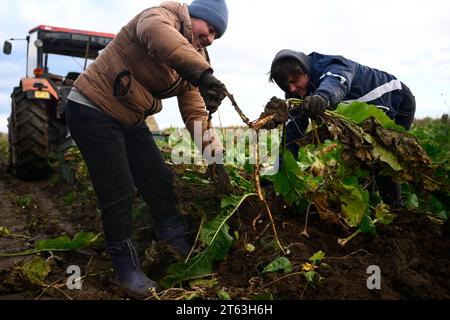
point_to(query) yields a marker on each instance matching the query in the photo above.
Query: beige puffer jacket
(151, 57)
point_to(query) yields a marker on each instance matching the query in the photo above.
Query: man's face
(298, 85)
(203, 33)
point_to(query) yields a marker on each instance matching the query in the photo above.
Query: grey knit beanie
(215, 12)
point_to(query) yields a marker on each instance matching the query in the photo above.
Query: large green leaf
(294, 182)
(215, 235)
(361, 111)
(79, 241)
(285, 181)
(202, 263)
(62, 243)
(354, 202)
(381, 153)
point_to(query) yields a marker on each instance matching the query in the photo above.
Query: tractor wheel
(28, 137)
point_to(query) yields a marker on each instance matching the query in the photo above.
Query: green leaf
(229, 200)
(382, 215)
(310, 276)
(437, 208)
(281, 263)
(62, 243)
(241, 182)
(215, 235)
(381, 153)
(203, 283)
(361, 111)
(293, 183)
(79, 241)
(367, 225)
(5, 231)
(211, 229)
(262, 296)
(222, 294)
(317, 257)
(412, 202)
(202, 263)
(354, 202)
(70, 198)
(36, 270)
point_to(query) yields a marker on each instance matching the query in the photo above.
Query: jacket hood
(304, 59)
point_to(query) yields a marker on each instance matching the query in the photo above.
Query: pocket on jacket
(127, 90)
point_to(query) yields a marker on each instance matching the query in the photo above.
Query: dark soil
(413, 257)
(412, 254)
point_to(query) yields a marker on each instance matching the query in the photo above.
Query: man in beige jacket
(159, 54)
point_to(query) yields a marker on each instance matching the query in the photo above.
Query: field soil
(412, 254)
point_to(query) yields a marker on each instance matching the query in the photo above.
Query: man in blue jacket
(324, 81)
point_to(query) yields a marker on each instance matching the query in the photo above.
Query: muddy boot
(173, 231)
(129, 275)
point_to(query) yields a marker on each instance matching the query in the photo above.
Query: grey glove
(314, 106)
(219, 175)
(212, 90)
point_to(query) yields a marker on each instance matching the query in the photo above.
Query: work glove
(212, 90)
(314, 106)
(278, 109)
(219, 175)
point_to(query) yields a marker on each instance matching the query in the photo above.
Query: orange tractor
(37, 124)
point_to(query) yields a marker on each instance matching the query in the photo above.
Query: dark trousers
(120, 159)
(389, 190)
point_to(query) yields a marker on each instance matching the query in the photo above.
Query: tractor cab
(46, 42)
(48, 46)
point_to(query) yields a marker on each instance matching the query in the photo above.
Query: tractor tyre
(28, 137)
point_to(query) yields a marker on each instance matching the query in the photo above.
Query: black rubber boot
(129, 275)
(173, 231)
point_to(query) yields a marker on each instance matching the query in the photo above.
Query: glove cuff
(205, 75)
(327, 102)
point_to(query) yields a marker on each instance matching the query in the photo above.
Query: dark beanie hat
(215, 12)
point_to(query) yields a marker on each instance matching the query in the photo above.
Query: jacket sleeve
(195, 117)
(156, 30)
(335, 81)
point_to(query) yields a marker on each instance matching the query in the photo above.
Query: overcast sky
(409, 39)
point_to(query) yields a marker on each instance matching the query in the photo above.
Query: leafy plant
(216, 239)
(6, 232)
(35, 270)
(26, 202)
(281, 263)
(309, 268)
(336, 171)
(4, 148)
(62, 243)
